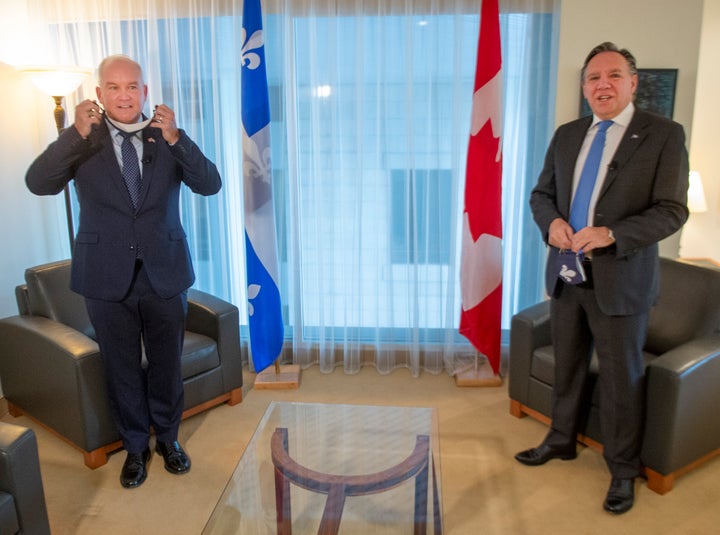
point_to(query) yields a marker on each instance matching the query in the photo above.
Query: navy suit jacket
(111, 230)
(643, 200)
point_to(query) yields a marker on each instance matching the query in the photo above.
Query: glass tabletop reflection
(332, 468)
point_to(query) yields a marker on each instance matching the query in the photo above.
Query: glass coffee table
(328, 468)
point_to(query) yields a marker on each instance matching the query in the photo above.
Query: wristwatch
(611, 235)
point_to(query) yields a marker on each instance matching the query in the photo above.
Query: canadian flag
(481, 266)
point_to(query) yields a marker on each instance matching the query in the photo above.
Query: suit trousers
(142, 394)
(578, 328)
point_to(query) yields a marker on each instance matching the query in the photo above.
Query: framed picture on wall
(655, 92)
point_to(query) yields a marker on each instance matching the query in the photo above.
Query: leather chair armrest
(683, 397)
(20, 476)
(219, 320)
(209, 315)
(53, 372)
(22, 299)
(530, 329)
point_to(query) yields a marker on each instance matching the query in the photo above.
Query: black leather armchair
(22, 499)
(682, 354)
(51, 368)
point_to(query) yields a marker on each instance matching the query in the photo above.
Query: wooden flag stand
(478, 375)
(286, 377)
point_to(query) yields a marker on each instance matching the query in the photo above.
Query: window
(421, 228)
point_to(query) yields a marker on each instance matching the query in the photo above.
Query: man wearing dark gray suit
(602, 269)
(131, 260)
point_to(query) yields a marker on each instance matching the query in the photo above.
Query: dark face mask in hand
(568, 266)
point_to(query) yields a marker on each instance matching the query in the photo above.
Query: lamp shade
(57, 81)
(696, 194)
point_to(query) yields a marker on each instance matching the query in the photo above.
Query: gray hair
(607, 46)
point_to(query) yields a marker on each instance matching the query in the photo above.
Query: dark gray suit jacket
(110, 230)
(643, 200)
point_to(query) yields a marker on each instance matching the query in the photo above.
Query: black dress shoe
(176, 460)
(620, 496)
(134, 471)
(543, 453)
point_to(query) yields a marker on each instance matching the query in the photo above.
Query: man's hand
(560, 234)
(87, 113)
(164, 119)
(590, 238)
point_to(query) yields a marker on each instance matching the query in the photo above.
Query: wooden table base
(339, 487)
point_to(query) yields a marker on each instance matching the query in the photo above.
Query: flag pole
(480, 374)
(265, 319)
(278, 377)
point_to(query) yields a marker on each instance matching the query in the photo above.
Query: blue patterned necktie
(581, 202)
(130, 167)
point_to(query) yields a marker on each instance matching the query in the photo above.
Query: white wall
(659, 33)
(32, 229)
(701, 237)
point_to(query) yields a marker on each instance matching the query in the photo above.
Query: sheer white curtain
(370, 109)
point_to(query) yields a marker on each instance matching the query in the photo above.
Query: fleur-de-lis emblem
(256, 159)
(567, 273)
(253, 290)
(251, 60)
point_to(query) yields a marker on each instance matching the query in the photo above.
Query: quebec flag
(264, 309)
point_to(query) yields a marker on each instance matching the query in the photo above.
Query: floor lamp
(58, 82)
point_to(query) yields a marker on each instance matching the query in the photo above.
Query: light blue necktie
(581, 202)
(130, 167)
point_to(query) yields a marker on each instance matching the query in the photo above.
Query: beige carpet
(484, 489)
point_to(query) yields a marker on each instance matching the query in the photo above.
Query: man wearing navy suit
(131, 260)
(638, 198)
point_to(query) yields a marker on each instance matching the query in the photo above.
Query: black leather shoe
(176, 460)
(620, 496)
(134, 471)
(543, 453)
